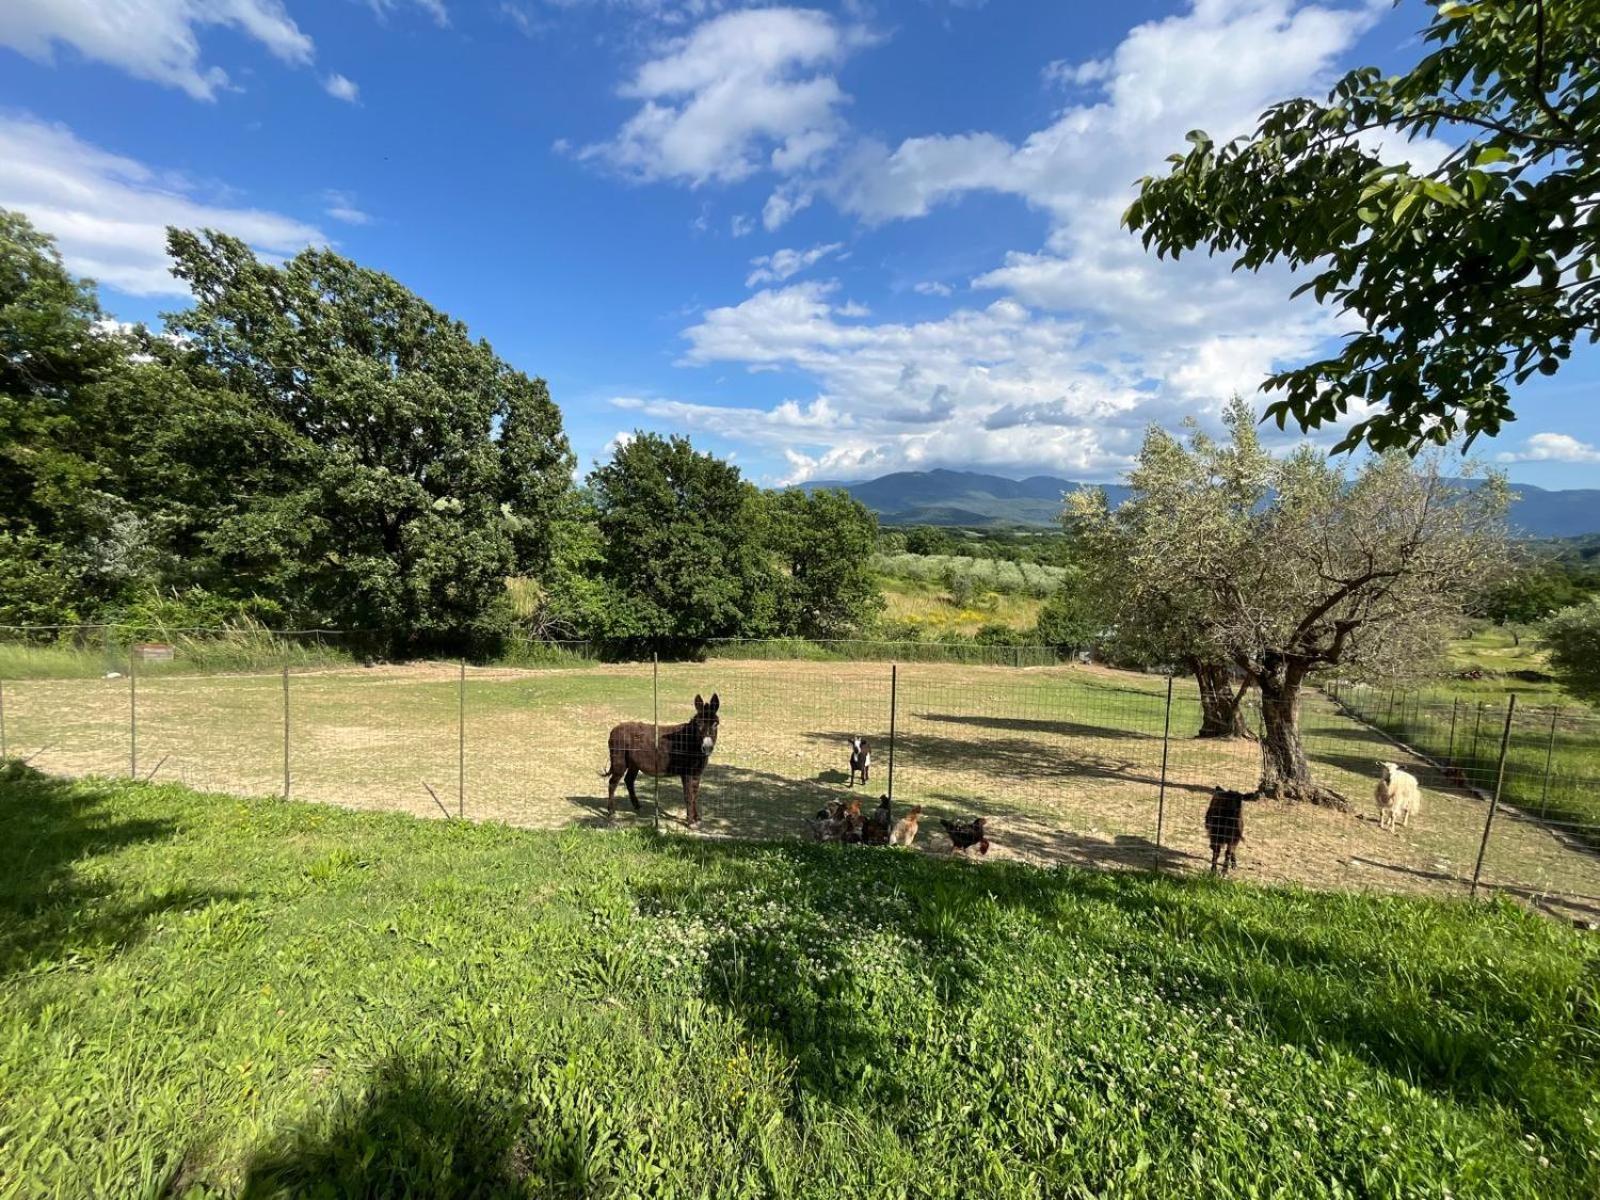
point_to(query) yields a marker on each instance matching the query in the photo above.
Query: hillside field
(204, 996)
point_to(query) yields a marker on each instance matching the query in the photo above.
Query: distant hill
(971, 498)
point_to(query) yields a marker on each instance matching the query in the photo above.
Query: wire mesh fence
(1070, 763)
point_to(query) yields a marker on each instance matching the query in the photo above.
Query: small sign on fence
(152, 651)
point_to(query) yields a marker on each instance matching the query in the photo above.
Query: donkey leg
(633, 796)
(611, 792)
(691, 798)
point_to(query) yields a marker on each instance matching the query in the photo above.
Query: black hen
(964, 835)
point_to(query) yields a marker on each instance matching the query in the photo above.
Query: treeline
(311, 445)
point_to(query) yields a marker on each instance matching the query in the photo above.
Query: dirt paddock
(1065, 761)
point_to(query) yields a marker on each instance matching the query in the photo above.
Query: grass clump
(205, 996)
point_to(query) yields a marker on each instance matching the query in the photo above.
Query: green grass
(209, 996)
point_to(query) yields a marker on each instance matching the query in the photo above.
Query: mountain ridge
(943, 496)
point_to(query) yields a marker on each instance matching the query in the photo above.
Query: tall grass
(90, 651)
(213, 997)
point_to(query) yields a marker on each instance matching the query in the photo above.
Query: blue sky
(828, 241)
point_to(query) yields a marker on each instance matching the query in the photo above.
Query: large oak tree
(361, 456)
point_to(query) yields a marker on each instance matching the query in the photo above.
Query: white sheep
(1398, 796)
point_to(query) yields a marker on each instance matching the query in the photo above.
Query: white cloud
(744, 90)
(932, 287)
(341, 206)
(741, 225)
(999, 385)
(150, 39)
(1552, 447)
(433, 8)
(783, 204)
(1065, 74)
(341, 88)
(781, 264)
(109, 213)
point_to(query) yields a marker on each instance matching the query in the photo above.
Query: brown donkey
(683, 750)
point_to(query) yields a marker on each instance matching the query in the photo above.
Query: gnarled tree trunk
(1221, 714)
(1285, 773)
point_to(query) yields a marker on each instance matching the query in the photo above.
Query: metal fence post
(286, 782)
(1544, 795)
(894, 685)
(1477, 728)
(655, 723)
(1450, 752)
(1499, 782)
(461, 742)
(133, 716)
(1161, 794)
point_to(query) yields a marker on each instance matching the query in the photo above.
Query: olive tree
(1285, 568)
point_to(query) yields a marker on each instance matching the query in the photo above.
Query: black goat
(1225, 826)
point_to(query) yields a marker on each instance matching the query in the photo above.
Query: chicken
(905, 829)
(966, 834)
(876, 831)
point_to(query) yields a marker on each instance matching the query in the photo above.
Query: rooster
(966, 834)
(876, 830)
(905, 829)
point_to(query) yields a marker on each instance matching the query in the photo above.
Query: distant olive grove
(311, 445)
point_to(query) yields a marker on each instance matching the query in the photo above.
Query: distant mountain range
(974, 499)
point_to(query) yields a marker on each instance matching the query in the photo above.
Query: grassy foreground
(201, 996)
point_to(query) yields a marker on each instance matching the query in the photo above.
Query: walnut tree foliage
(1285, 568)
(1463, 277)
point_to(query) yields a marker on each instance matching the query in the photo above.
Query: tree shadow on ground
(1035, 725)
(414, 1131)
(50, 910)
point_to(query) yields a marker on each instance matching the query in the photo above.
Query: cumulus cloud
(781, 264)
(999, 385)
(743, 91)
(1552, 447)
(341, 88)
(109, 214)
(156, 40)
(1092, 338)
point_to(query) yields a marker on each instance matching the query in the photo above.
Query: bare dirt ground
(1065, 761)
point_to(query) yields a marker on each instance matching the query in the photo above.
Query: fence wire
(1070, 763)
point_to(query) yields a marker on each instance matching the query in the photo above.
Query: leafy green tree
(1073, 617)
(1528, 595)
(931, 540)
(685, 544)
(1572, 638)
(824, 542)
(356, 452)
(70, 543)
(1288, 568)
(1461, 277)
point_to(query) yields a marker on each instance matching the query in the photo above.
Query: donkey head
(705, 722)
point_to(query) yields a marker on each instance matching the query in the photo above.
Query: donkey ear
(699, 703)
(716, 702)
